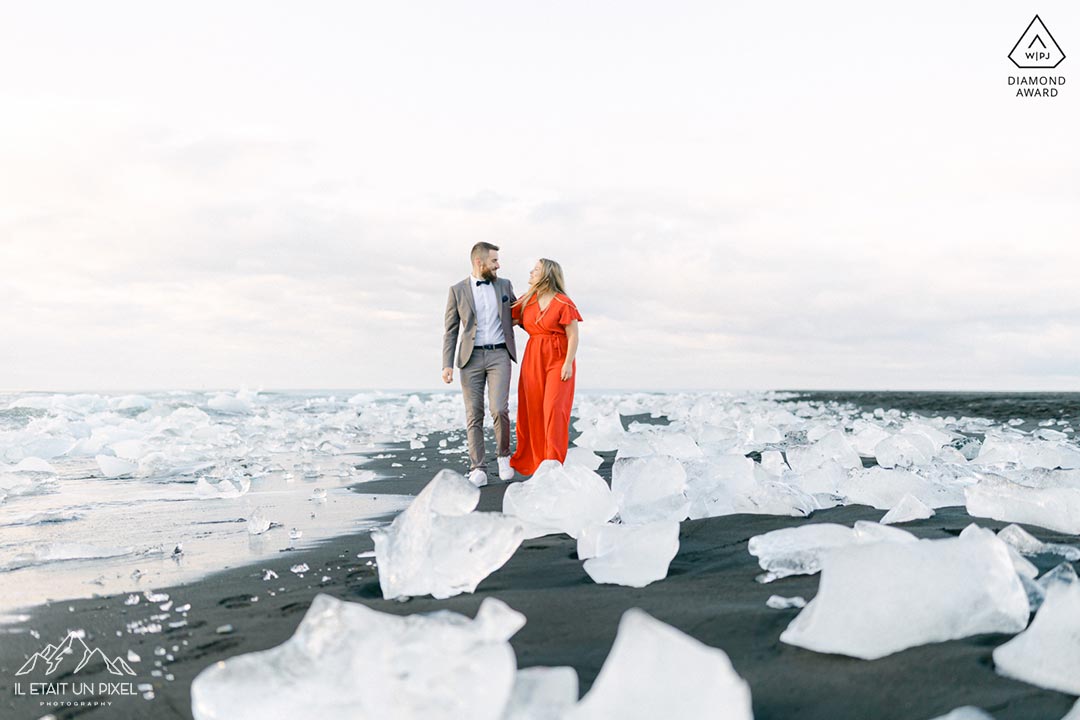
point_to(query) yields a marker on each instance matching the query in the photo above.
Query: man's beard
(487, 274)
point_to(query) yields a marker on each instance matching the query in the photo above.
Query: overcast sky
(742, 195)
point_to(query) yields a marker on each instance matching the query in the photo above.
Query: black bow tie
(482, 282)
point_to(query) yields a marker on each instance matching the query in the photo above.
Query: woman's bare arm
(572, 336)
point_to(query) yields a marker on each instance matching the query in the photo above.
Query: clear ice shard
(1027, 544)
(561, 498)
(542, 693)
(347, 660)
(880, 598)
(800, 550)
(656, 671)
(778, 602)
(632, 555)
(438, 546)
(909, 508)
(650, 488)
(1054, 508)
(1047, 654)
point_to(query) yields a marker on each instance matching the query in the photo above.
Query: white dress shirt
(488, 324)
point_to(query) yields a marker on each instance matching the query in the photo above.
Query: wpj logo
(1036, 48)
(50, 658)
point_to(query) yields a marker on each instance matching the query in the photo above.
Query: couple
(483, 310)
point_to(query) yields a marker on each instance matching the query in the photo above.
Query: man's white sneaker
(478, 478)
(506, 472)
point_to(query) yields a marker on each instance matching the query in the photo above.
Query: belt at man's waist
(489, 347)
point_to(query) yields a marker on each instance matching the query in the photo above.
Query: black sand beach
(710, 593)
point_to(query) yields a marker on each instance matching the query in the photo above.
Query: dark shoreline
(710, 593)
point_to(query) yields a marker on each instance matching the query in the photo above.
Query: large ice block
(834, 445)
(542, 693)
(1055, 508)
(880, 598)
(437, 546)
(650, 488)
(1047, 654)
(884, 489)
(562, 498)
(656, 671)
(346, 660)
(904, 450)
(633, 555)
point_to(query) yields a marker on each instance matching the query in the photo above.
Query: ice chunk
(437, 546)
(1073, 714)
(776, 602)
(34, 464)
(223, 489)
(114, 467)
(656, 671)
(1055, 508)
(909, 508)
(257, 522)
(561, 498)
(542, 693)
(650, 488)
(797, 550)
(877, 599)
(1063, 574)
(584, 457)
(241, 402)
(772, 462)
(866, 437)
(729, 484)
(1028, 544)
(967, 712)
(884, 489)
(604, 432)
(1047, 654)
(347, 660)
(633, 555)
(832, 446)
(904, 450)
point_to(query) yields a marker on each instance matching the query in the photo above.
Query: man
(478, 310)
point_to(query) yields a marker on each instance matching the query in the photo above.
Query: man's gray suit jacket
(461, 320)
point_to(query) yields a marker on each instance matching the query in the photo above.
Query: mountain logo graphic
(51, 656)
(1036, 48)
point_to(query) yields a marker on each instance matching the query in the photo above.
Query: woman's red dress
(544, 398)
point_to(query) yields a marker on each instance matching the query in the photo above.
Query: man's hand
(447, 375)
(567, 372)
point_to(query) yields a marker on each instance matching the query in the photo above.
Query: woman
(546, 384)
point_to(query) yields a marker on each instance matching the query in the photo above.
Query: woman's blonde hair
(551, 280)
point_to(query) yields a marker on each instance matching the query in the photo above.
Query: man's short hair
(480, 251)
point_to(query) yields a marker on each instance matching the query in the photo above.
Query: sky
(742, 195)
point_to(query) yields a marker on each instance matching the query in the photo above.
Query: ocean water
(107, 493)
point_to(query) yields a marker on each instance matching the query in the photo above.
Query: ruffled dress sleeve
(568, 312)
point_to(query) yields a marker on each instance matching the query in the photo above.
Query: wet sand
(710, 593)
